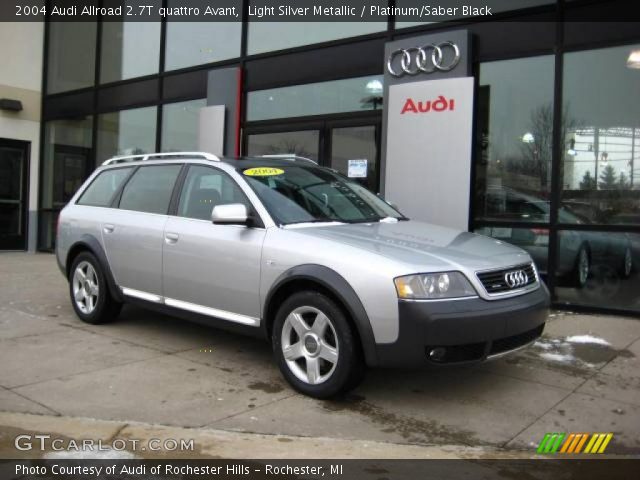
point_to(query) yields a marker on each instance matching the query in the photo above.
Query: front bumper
(467, 331)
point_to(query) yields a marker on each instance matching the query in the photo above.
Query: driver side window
(206, 187)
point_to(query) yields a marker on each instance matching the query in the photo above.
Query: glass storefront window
(599, 269)
(180, 125)
(304, 143)
(129, 49)
(67, 163)
(129, 132)
(514, 144)
(197, 43)
(337, 96)
(72, 56)
(270, 36)
(601, 135)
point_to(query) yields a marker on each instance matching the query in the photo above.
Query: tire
(626, 268)
(89, 293)
(582, 267)
(324, 359)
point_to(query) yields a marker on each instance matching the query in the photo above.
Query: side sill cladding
(89, 242)
(339, 288)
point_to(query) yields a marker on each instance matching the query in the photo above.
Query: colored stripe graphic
(576, 440)
(544, 441)
(572, 443)
(558, 442)
(551, 442)
(570, 439)
(582, 442)
(605, 442)
(593, 440)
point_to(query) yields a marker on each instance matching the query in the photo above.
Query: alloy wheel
(628, 262)
(85, 287)
(310, 345)
(583, 266)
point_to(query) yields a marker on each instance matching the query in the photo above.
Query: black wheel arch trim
(341, 289)
(91, 243)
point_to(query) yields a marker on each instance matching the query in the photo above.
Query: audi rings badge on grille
(425, 59)
(516, 278)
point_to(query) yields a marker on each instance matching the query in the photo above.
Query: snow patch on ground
(558, 357)
(587, 339)
(543, 345)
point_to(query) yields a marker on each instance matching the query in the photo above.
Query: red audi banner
(428, 150)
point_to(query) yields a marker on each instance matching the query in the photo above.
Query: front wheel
(315, 346)
(89, 293)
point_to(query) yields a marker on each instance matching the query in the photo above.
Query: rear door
(212, 269)
(133, 232)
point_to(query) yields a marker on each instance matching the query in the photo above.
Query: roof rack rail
(290, 156)
(160, 156)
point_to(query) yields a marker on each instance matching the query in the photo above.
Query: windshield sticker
(263, 172)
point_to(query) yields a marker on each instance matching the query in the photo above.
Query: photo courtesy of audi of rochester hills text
(319, 239)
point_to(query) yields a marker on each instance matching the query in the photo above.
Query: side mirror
(230, 214)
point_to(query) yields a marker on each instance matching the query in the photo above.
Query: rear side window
(103, 188)
(149, 189)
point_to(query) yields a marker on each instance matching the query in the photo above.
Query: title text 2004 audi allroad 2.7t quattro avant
(332, 275)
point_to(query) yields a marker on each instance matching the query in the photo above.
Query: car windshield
(301, 194)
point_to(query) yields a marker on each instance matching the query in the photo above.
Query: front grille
(494, 281)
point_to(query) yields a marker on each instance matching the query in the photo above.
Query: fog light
(437, 354)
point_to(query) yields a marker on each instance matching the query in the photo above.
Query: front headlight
(428, 286)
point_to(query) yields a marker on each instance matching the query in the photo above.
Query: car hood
(424, 245)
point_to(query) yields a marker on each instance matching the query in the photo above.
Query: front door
(14, 162)
(212, 269)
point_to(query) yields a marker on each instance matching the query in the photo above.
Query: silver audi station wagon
(333, 276)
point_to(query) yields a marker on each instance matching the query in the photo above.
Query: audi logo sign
(516, 278)
(426, 59)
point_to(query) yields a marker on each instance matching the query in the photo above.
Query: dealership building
(525, 127)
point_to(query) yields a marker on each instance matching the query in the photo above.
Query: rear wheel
(582, 268)
(627, 263)
(315, 346)
(89, 293)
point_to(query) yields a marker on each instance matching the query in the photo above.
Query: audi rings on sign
(425, 59)
(515, 279)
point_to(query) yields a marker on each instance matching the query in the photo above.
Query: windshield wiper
(314, 220)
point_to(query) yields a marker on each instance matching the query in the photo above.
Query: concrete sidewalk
(116, 442)
(583, 376)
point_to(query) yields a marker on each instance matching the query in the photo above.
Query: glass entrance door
(348, 146)
(354, 153)
(13, 194)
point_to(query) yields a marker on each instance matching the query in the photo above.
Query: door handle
(171, 238)
(108, 228)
